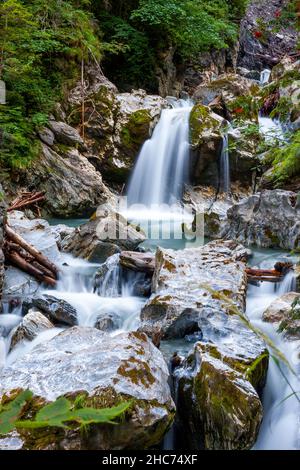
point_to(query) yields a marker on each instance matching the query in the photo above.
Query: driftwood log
(140, 262)
(26, 257)
(26, 199)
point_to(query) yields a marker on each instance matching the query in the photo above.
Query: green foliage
(138, 34)
(41, 47)
(10, 413)
(56, 414)
(285, 161)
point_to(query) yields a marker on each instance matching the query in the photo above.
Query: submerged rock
(103, 370)
(56, 310)
(270, 219)
(108, 322)
(32, 324)
(217, 403)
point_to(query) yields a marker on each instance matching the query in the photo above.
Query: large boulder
(201, 292)
(181, 302)
(217, 401)
(269, 219)
(206, 130)
(103, 370)
(72, 188)
(228, 86)
(106, 234)
(116, 124)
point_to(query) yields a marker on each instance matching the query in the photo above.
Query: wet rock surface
(280, 308)
(56, 310)
(217, 402)
(180, 284)
(201, 292)
(76, 362)
(103, 236)
(31, 325)
(269, 219)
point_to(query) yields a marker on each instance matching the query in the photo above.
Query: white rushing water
(271, 129)
(280, 427)
(265, 77)
(163, 163)
(76, 286)
(225, 166)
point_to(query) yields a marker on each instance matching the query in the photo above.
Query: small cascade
(280, 426)
(163, 163)
(112, 297)
(271, 129)
(225, 166)
(265, 77)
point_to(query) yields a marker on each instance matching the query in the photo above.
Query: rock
(117, 129)
(108, 322)
(251, 74)
(73, 188)
(46, 136)
(60, 232)
(180, 288)
(66, 135)
(270, 219)
(207, 141)
(103, 236)
(217, 402)
(56, 310)
(280, 308)
(103, 370)
(229, 86)
(272, 43)
(290, 325)
(32, 324)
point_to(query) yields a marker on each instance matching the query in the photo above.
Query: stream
(158, 184)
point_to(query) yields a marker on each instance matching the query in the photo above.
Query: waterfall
(162, 165)
(280, 426)
(265, 76)
(271, 129)
(224, 166)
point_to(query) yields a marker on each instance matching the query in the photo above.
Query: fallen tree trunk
(263, 272)
(17, 260)
(26, 199)
(40, 258)
(140, 262)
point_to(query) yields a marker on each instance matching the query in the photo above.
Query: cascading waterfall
(76, 286)
(225, 166)
(265, 76)
(162, 165)
(280, 427)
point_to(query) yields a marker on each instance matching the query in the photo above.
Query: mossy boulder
(217, 400)
(206, 138)
(102, 371)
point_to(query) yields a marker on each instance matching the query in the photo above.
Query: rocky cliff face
(264, 40)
